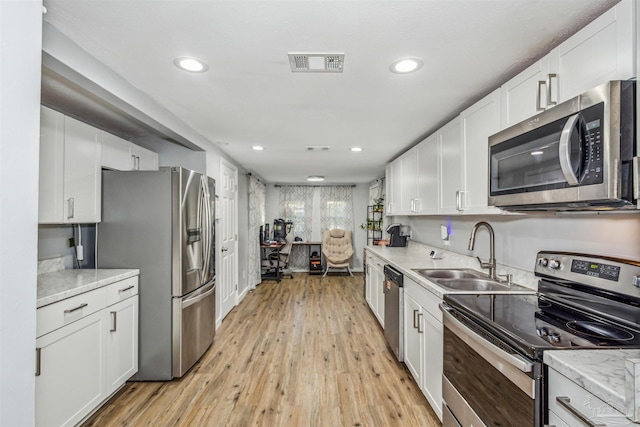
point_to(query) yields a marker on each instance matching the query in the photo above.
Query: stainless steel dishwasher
(393, 311)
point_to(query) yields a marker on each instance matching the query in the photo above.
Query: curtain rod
(311, 185)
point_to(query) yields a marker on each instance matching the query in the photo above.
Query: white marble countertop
(416, 256)
(604, 373)
(64, 284)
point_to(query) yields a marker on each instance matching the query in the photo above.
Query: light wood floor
(304, 352)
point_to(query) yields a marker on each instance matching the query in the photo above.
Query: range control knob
(543, 262)
(553, 338)
(543, 332)
(554, 264)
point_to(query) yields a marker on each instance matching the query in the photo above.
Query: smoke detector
(316, 62)
(317, 148)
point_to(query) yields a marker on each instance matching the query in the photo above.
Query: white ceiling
(250, 96)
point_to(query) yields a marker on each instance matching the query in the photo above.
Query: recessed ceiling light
(193, 65)
(406, 65)
(356, 149)
(537, 153)
(315, 178)
(258, 147)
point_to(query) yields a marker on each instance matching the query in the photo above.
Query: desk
(315, 263)
(275, 249)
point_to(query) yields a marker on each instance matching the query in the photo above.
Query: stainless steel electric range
(493, 344)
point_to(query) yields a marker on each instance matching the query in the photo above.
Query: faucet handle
(507, 278)
(484, 264)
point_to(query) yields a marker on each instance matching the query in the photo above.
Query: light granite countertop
(416, 256)
(59, 285)
(608, 374)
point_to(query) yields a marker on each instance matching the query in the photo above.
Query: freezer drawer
(193, 327)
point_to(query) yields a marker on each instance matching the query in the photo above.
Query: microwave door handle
(564, 150)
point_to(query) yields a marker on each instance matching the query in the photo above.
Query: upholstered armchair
(337, 249)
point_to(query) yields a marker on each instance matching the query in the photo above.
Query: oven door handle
(484, 347)
(564, 150)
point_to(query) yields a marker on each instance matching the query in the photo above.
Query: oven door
(484, 385)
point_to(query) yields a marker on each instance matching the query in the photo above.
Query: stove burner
(543, 304)
(599, 330)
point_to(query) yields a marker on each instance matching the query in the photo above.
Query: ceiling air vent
(316, 62)
(317, 148)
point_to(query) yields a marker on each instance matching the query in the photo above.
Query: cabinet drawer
(120, 291)
(61, 313)
(581, 400)
(429, 301)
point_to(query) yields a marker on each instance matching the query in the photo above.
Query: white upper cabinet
(50, 192)
(409, 180)
(119, 154)
(451, 162)
(70, 176)
(394, 187)
(479, 121)
(601, 51)
(143, 159)
(116, 153)
(427, 177)
(526, 94)
(413, 180)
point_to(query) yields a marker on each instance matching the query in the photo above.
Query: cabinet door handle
(419, 330)
(133, 162)
(137, 163)
(38, 361)
(549, 77)
(388, 207)
(114, 320)
(539, 84)
(70, 207)
(565, 402)
(71, 310)
(459, 195)
(126, 289)
(416, 205)
(415, 322)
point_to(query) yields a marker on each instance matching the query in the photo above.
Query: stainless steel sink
(449, 273)
(473, 285)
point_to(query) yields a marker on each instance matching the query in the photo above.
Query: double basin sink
(464, 280)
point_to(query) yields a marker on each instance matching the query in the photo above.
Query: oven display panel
(596, 269)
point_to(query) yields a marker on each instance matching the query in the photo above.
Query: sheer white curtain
(296, 204)
(257, 193)
(336, 207)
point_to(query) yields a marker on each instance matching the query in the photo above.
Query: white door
(227, 292)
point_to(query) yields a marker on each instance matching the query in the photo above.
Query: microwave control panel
(593, 145)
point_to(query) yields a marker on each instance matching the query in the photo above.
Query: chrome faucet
(491, 265)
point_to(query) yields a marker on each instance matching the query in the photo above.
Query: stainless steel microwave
(579, 155)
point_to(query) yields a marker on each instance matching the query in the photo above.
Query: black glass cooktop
(532, 323)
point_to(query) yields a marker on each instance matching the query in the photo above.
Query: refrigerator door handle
(204, 293)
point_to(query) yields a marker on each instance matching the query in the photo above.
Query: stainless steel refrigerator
(163, 223)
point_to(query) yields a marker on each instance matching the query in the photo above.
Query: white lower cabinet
(571, 405)
(413, 341)
(82, 359)
(122, 343)
(71, 380)
(423, 333)
(374, 291)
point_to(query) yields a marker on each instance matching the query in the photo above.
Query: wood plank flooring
(303, 352)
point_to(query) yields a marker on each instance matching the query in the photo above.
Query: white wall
(360, 201)
(20, 53)
(520, 237)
